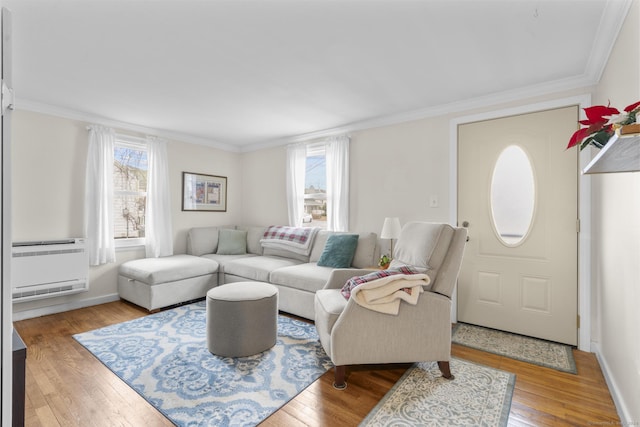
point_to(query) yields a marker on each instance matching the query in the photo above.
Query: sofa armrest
(339, 276)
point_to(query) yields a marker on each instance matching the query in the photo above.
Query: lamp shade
(390, 228)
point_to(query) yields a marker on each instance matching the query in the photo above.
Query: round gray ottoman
(242, 318)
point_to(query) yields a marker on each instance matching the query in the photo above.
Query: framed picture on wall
(202, 192)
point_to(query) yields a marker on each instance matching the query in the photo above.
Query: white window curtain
(337, 156)
(158, 229)
(99, 196)
(296, 164)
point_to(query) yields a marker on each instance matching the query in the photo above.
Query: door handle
(465, 224)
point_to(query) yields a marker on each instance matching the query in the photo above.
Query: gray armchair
(353, 334)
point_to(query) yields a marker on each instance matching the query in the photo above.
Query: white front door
(517, 195)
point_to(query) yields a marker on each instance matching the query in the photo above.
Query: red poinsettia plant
(601, 124)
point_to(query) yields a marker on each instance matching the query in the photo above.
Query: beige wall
(264, 198)
(48, 174)
(394, 171)
(186, 157)
(616, 237)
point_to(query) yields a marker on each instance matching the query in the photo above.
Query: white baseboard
(59, 308)
(618, 399)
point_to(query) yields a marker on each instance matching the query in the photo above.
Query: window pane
(513, 195)
(130, 173)
(129, 216)
(315, 192)
(130, 187)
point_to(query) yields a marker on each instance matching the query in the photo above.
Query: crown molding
(548, 88)
(39, 107)
(440, 110)
(611, 23)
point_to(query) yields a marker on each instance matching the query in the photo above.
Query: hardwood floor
(67, 386)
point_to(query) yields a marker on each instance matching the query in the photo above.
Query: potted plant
(603, 122)
(384, 262)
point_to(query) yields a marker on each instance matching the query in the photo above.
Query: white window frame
(137, 144)
(316, 149)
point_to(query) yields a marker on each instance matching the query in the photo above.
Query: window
(318, 184)
(315, 188)
(130, 189)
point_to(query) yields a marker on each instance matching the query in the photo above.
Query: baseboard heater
(49, 268)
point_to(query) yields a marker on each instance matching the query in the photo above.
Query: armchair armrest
(339, 276)
(418, 333)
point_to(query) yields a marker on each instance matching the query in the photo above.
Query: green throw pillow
(339, 251)
(232, 242)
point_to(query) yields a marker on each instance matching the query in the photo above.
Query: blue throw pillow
(339, 251)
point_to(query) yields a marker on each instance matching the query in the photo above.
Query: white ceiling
(243, 74)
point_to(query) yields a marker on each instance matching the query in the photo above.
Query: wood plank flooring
(66, 386)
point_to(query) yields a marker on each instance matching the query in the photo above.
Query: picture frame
(202, 192)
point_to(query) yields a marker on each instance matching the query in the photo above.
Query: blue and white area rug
(478, 396)
(164, 357)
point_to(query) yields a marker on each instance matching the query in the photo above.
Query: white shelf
(621, 154)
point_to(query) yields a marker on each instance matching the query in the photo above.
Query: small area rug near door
(478, 396)
(164, 357)
(527, 349)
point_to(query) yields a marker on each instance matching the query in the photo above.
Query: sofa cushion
(365, 255)
(254, 235)
(307, 277)
(318, 245)
(338, 251)
(257, 267)
(232, 242)
(153, 271)
(202, 240)
(223, 259)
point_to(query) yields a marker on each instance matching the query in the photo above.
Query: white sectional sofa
(154, 283)
(297, 277)
(227, 254)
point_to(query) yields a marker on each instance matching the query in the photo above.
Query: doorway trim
(584, 202)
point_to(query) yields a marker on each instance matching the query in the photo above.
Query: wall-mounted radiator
(48, 269)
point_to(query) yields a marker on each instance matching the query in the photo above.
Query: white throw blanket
(294, 239)
(385, 294)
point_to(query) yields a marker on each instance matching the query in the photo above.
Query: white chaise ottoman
(242, 318)
(155, 283)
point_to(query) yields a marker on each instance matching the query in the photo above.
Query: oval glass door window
(512, 195)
